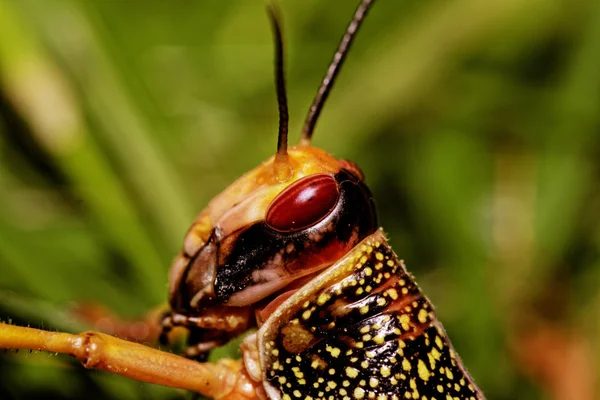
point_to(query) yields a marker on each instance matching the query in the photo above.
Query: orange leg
(226, 379)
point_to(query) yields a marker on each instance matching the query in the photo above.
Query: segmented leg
(225, 380)
(209, 330)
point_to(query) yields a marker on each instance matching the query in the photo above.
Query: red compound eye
(303, 203)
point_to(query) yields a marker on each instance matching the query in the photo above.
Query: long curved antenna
(281, 163)
(333, 71)
(279, 80)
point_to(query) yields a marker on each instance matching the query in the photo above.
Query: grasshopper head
(263, 233)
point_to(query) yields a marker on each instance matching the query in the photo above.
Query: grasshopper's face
(264, 234)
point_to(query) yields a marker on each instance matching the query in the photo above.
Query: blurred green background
(477, 124)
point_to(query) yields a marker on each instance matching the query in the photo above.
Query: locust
(292, 251)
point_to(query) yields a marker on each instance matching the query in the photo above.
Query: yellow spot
(282, 380)
(404, 320)
(364, 309)
(406, 365)
(335, 351)
(422, 316)
(438, 341)
(364, 364)
(369, 271)
(306, 314)
(381, 301)
(318, 363)
(365, 329)
(390, 263)
(331, 384)
(297, 393)
(323, 298)
(393, 293)
(351, 372)
(373, 382)
(359, 393)
(440, 388)
(379, 256)
(286, 397)
(359, 291)
(449, 374)
(435, 353)
(423, 371)
(385, 371)
(431, 360)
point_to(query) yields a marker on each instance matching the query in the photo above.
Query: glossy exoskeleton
(294, 249)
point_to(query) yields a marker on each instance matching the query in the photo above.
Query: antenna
(333, 71)
(282, 165)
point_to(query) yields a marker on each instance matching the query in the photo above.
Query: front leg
(209, 329)
(226, 379)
